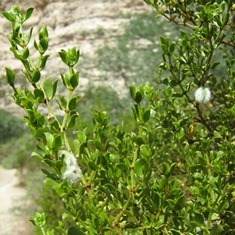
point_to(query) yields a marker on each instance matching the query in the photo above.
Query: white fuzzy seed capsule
(72, 174)
(69, 158)
(203, 95)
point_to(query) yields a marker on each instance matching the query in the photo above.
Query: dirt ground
(13, 220)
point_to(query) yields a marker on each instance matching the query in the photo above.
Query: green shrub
(19, 155)
(10, 126)
(172, 174)
(103, 98)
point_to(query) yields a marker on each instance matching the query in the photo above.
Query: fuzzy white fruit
(203, 95)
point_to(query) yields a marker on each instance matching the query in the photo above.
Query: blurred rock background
(86, 24)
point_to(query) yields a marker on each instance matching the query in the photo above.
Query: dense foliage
(174, 172)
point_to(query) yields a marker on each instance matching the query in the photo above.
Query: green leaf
(50, 163)
(93, 166)
(42, 61)
(172, 48)
(164, 48)
(54, 88)
(10, 75)
(133, 92)
(29, 12)
(9, 16)
(35, 154)
(217, 135)
(25, 54)
(58, 142)
(39, 95)
(146, 115)
(44, 44)
(76, 147)
(39, 133)
(81, 136)
(145, 150)
(65, 80)
(54, 125)
(73, 103)
(26, 38)
(180, 203)
(72, 56)
(74, 231)
(52, 176)
(62, 103)
(175, 232)
(120, 168)
(74, 80)
(50, 232)
(72, 120)
(48, 88)
(39, 219)
(140, 167)
(174, 83)
(50, 140)
(63, 56)
(43, 33)
(199, 219)
(164, 40)
(164, 44)
(55, 185)
(35, 76)
(139, 96)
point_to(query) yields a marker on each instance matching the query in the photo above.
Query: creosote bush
(174, 174)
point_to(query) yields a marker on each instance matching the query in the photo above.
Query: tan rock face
(86, 24)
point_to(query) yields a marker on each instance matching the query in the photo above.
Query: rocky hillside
(86, 24)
